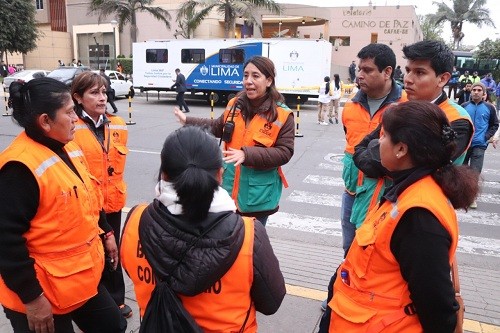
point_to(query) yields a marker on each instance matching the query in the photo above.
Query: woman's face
(62, 127)
(93, 101)
(255, 82)
(388, 151)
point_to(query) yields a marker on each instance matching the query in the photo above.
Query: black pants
(110, 96)
(324, 324)
(113, 280)
(181, 102)
(452, 87)
(98, 314)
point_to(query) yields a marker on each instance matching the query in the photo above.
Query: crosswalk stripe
(328, 226)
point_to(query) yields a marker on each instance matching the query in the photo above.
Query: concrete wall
(53, 46)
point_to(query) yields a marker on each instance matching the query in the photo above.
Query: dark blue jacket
(484, 117)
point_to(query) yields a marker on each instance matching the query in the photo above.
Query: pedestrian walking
(352, 71)
(235, 271)
(50, 221)
(323, 100)
(4, 70)
(453, 83)
(484, 117)
(411, 236)
(103, 139)
(258, 132)
(109, 90)
(335, 94)
(180, 88)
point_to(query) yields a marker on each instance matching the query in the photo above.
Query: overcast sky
(473, 34)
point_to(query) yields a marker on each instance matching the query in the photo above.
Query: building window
(39, 4)
(340, 40)
(192, 56)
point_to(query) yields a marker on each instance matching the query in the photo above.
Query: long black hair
(424, 128)
(191, 159)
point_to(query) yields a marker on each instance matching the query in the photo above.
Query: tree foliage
(231, 9)
(126, 11)
(18, 30)
(472, 11)
(488, 49)
(430, 30)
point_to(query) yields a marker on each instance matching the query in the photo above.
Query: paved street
(306, 232)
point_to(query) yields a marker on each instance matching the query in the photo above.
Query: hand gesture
(111, 250)
(181, 117)
(235, 156)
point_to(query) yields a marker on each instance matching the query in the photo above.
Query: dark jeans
(475, 158)
(111, 102)
(113, 280)
(98, 314)
(324, 324)
(181, 102)
(452, 87)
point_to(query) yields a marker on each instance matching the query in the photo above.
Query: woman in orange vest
(51, 221)
(396, 275)
(223, 277)
(258, 131)
(103, 139)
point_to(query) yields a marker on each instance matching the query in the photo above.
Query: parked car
(67, 74)
(24, 76)
(119, 83)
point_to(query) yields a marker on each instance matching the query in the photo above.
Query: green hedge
(126, 63)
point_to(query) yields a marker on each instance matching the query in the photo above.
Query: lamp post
(114, 24)
(97, 49)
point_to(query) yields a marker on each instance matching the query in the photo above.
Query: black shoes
(185, 111)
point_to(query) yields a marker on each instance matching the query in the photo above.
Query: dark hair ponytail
(459, 183)
(33, 98)
(191, 159)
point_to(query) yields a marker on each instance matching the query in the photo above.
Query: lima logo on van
(219, 70)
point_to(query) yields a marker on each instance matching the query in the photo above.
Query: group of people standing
(404, 177)
(203, 236)
(329, 99)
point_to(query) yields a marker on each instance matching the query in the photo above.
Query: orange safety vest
(106, 158)
(63, 236)
(228, 300)
(254, 190)
(375, 297)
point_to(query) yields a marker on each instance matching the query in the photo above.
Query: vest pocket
(262, 187)
(67, 283)
(351, 310)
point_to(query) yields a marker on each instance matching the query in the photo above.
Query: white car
(24, 76)
(119, 83)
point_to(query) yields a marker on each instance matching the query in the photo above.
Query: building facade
(70, 32)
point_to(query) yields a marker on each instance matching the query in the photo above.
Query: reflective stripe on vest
(372, 301)
(63, 236)
(107, 161)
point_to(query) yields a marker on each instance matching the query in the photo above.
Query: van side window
(157, 56)
(231, 56)
(192, 56)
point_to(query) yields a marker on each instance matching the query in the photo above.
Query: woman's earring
(397, 155)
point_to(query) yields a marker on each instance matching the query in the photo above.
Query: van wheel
(230, 96)
(215, 97)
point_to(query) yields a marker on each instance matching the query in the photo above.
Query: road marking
(319, 295)
(328, 226)
(144, 151)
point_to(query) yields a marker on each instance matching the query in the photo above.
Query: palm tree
(188, 20)
(472, 11)
(231, 9)
(126, 11)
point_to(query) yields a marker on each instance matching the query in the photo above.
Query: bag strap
(454, 276)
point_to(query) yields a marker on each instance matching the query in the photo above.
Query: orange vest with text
(226, 304)
(374, 297)
(63, 238)
(107, 161)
